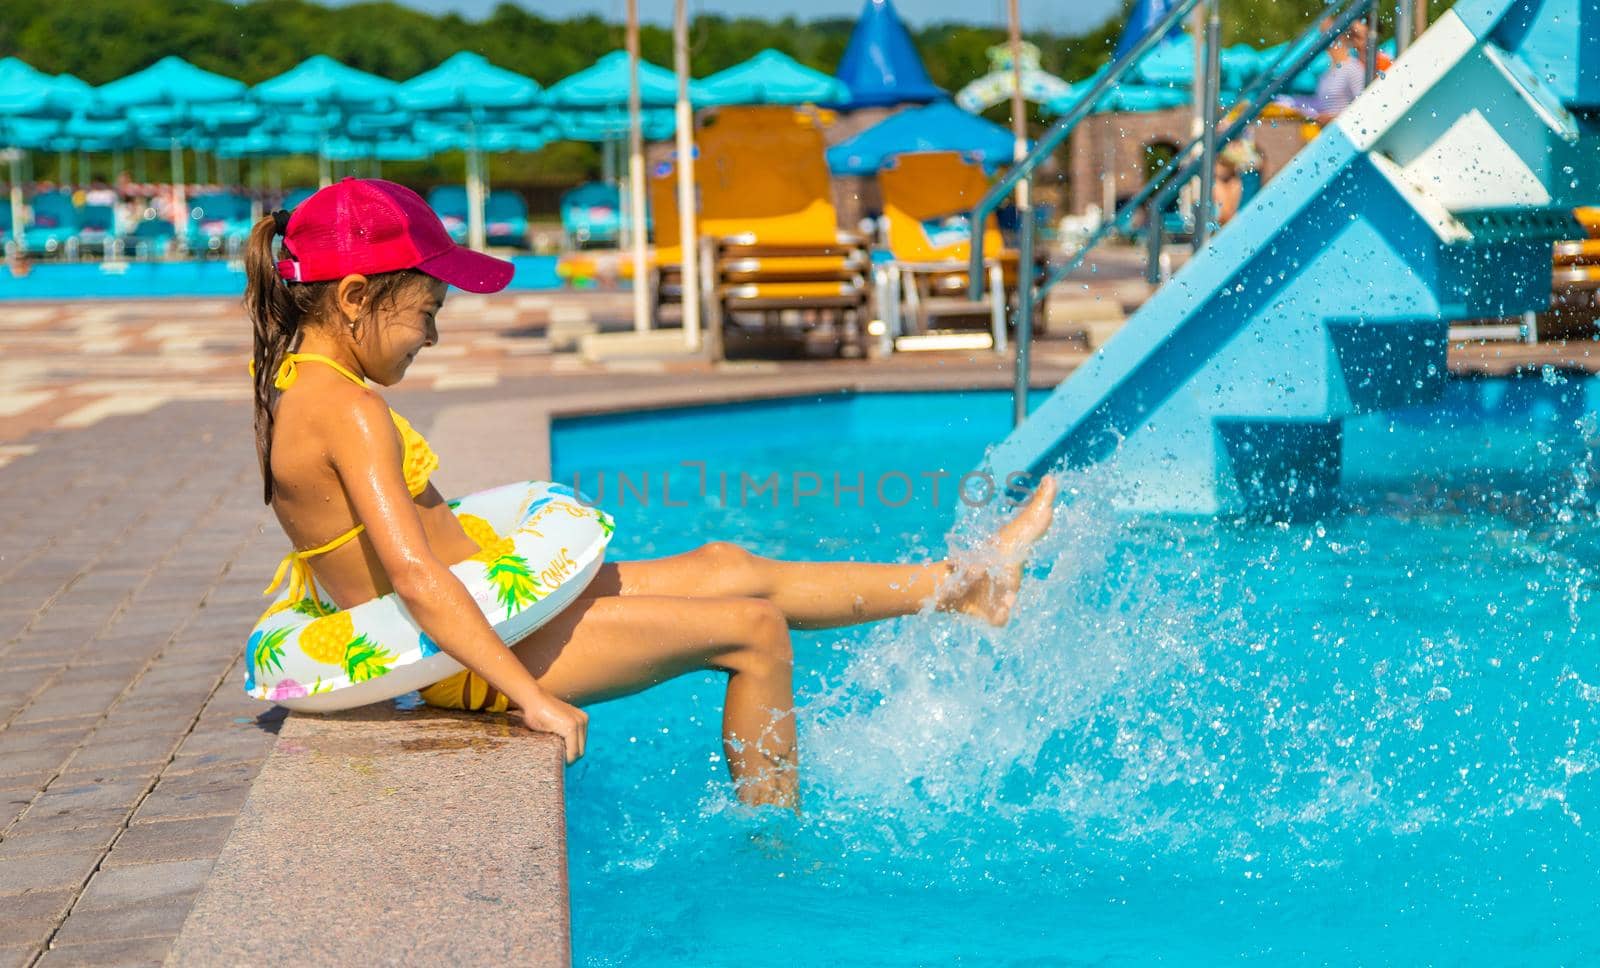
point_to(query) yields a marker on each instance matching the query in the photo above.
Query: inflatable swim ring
(541, 546)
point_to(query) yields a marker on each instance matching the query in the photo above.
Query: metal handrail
(1052, 139)
(1255, 98)
(1336, 29)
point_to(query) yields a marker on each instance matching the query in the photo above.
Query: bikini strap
(289, 371)
(293, 567)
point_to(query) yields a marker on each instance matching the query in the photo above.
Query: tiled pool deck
(133, 547)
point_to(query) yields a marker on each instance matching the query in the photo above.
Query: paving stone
(103, 584)
(204, 793)
(50, 628)
(184, 765)
(33, 670)
(57, 711)
(125, 642)
(157, 919)
(34, 650)
(125, 725)
(230, 737)
(39, 904)
(14, 621)
(117, 654)
(149, 843)
(221, 652)
(112, 748)
(79, 724)
(82, 792)
(34, 761)
(104, 774)
(17, 957)
(24, 593)
(26, 679)
(184, 705)
(76, 625)
(142, 884)
(170, 671)
(80, 696)
(12, 807)
(22, 742)
(148, 628)
(46, 872)
(38, 821)
(106, 676)
(28, 782)
(143, 953)
(20, 842)
(230, 706)
(24, 931)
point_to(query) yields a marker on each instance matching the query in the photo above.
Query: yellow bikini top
(418, 463)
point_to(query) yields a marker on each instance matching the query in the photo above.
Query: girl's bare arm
(366, 453)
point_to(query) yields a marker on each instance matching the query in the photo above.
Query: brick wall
(1107, 150)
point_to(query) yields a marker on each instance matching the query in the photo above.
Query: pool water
(1371, 738)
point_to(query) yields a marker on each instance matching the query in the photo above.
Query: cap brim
(469, 270)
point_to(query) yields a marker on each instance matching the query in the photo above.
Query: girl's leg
(818, 595)
(604, 648)
(810, 594)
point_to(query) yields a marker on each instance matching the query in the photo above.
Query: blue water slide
(1436, 196)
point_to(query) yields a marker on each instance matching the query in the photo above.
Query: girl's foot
(986, 587)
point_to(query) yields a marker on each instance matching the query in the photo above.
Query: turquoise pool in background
(187, 279)
(1373, 738)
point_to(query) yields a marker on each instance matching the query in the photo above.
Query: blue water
(187, 278)
(1372, 738)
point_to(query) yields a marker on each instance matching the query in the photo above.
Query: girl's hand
(551, 715)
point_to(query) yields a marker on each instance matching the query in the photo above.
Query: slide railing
(1195, 158)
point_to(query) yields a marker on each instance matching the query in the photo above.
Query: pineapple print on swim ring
(539, 546)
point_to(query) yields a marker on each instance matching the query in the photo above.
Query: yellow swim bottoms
(464, 690)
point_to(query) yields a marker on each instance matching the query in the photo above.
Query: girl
(356, 298)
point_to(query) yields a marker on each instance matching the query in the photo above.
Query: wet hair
(281, 310)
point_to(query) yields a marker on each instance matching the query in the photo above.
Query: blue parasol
(937, 127)
(772, 77)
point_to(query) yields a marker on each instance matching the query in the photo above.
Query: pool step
(1386, 364)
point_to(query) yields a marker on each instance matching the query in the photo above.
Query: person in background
(1234, 163)
(1346, 76)
(100, 193)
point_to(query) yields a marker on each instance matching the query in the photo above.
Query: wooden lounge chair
(927, 200)
(1574, 310)
(773, 249)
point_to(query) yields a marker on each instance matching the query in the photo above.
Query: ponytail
(277, 311)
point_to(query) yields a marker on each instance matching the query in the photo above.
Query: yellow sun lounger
(772, 240)
(927, 200)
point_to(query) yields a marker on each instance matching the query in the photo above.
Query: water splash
(1386, 719)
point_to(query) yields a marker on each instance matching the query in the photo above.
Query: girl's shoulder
(330, 408)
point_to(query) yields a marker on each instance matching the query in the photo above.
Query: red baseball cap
(367, 226)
